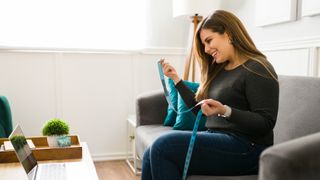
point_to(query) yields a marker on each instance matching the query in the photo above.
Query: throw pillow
(185, 121)
(171, 114)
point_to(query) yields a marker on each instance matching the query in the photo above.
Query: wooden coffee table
(76, 168)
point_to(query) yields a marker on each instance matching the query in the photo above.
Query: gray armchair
(5, 118)
(296, 153)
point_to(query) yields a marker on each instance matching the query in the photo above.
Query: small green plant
(18, 141)
(55, 127)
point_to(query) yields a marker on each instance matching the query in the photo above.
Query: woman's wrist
(176, 79)
(228, 111)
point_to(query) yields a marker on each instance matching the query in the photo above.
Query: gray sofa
(296, 153)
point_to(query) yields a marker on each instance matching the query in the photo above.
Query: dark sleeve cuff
(179, 84)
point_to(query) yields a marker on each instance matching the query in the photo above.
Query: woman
(239, 93)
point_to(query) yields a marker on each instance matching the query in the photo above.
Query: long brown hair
(220, 22)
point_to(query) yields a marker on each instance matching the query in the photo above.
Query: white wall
(94, 92)
(163, 30)
(292, 47)
(301, 28)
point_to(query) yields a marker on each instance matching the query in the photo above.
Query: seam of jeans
(230, 153)
(159, 163)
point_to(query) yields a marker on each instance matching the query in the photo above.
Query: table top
(76, 168)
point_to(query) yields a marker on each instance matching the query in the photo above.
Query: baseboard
(109, 156)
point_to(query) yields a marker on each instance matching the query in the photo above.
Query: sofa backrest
(299, 107)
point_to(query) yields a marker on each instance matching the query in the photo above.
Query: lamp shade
(187, 8)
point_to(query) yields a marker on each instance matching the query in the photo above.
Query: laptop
(35, 171)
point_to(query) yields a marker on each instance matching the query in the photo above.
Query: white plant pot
(52, 141)
(59, 141)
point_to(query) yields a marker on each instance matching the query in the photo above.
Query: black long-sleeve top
(253, 96)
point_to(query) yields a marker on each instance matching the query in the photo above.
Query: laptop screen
(22, 149)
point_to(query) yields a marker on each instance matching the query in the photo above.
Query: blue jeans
(214, 153)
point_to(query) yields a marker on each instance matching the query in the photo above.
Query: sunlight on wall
(75, 24)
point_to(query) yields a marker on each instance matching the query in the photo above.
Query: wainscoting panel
(290, 62)
(294, 57)
(28, 81)
(96, 89)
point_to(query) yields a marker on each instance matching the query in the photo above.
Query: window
(75, 24)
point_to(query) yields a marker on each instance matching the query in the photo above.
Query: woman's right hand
(170, 71)
(212, 107)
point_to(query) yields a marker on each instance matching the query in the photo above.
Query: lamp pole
(190, 61)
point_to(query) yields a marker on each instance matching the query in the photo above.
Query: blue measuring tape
(166, 92)
(195, 127)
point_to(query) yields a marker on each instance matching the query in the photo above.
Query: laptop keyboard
(54, 171)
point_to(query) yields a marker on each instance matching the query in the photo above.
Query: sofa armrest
(151, 108)
(294, 159)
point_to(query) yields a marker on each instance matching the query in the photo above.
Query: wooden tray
(43, 152)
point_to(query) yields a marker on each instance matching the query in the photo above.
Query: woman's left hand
(212, 107)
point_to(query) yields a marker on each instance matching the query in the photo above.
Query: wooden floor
(114, 170)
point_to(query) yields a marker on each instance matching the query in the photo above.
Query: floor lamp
(193, 10)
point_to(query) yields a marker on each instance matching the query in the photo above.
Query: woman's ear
(229, 37)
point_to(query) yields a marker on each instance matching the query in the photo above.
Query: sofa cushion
(146, 135)
(299, 103)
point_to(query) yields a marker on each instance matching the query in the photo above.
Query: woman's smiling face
(217, 45)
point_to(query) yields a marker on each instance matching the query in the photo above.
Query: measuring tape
(195, 127)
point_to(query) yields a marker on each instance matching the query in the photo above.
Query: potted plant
(57, 131)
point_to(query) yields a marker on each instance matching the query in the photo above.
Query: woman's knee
(164, 141)
(160, 142)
